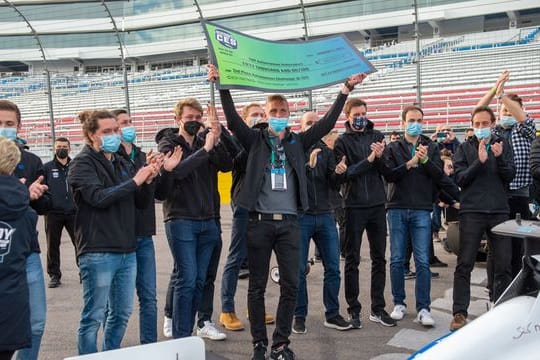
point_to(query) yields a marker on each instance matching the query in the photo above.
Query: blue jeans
(237, 255)
(416, 224)
(322, 229)
(108, 281)
(192, 243)
(436, 218)
(146, 289)
(38, 305)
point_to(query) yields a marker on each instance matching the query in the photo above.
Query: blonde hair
(10, 156)
(245, 109)
(191, 102)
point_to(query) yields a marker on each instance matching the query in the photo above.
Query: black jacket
(31, 168)
(363, 183)
(484, 186)
(17, 234)
(257, 144)
(189, 191)
(145, 218)
(417, 187)
(321, 180)
(106, 197)
(56, 179)
(535, 168)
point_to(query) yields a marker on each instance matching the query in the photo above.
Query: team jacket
(56, 179)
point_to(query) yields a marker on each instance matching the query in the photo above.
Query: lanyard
(132, 155)
(273, 156)
(413, 150)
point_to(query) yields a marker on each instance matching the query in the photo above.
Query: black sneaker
(243, 274)
(354, 320)
(299, 325)
(282, 353)
(382, 318)
(409, 275)
(434, 275)
(54, 282)
(437, 263)
(259, 351)
(338, 323)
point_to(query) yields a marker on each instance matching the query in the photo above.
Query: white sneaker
(209, 331)
(399, 312)
(424, 318)
(167, 327)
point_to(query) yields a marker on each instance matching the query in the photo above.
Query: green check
(246, 62)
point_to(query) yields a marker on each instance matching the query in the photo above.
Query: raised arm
(495, 90)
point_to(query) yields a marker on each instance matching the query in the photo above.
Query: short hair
(469, 129)
(191, 102)
(406, 110)
(483, 109)
(7, 105)
(353, 102)
(117, 112)
(89, 120)
(63, 139)
(516, 98)
(277, 98)
(395, 133)
(10, 156)
(245, 109)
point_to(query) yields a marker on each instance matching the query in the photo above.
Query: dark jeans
(236, 257)
(373, 220)
(283, 237)
(192, 243)
(472, 226)
(436, 218)
(54, 223)
(145, 285)
(322, 229)
(206, 305)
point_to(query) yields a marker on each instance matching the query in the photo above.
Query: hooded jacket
(106, 197)
(17, 234)
(189, 190)
(258, 147)
(415, 188)
(145, 224)
(363, 183)
(484, 186)
(321, 180)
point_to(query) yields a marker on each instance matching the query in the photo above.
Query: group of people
(288, 188)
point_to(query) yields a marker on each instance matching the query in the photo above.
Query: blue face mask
(507, 121)
(414, 129)
(110, 143)
(482, 133)
(128, 134)
(359, 122)
(9, 133)
(278, 124)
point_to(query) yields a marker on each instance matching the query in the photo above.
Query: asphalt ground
(373, 341)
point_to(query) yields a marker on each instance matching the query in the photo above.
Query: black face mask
(192, 127)
(260, 125)
(62, 153)
(360, 122)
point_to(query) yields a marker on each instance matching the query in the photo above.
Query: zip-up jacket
(106, 197)
(56, 179)
(363, 183)
(321, 180)
(484, 186)
(415, 188)
(145, 224)
(258, 146)
(17, 234)
(189, 190)
(31, 168)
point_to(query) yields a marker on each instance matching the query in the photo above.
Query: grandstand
(456, 70)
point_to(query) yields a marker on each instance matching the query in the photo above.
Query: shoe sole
(299, 332)
(426, 325)
(230, 328)
(378, 320)
(340, 328)
(396, 317)
(214, 338)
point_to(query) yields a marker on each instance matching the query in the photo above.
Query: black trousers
(54, 223)
(471, 228)
(283, 237)
(339, 215)
(373, 220)
(6, 355)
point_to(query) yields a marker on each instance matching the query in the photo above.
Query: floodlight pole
(212, 92)
(47, 73)
(417, 40)
(306, 38)
(123, 57)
